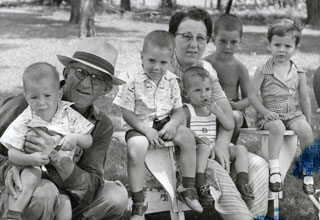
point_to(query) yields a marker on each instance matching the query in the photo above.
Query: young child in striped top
(279, 92)
(202, 118)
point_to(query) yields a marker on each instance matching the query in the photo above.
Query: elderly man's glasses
(188, 37)
(82, 74)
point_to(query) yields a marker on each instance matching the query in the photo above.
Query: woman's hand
(223, 156)
(64, 165)
(40, 141)
(13, 181)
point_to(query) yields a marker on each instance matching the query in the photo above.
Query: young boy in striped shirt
(202, 117)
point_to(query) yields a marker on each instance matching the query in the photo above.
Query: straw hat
(95, 53)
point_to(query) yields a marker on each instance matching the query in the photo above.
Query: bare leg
(304, 132)
(203, 153)
(276, 129)
(137, 150)
(186, 141)
(239, 155)
(30, 178)
(238, 120)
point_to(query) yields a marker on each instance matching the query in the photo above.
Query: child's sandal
(308, 189)
(277, 186)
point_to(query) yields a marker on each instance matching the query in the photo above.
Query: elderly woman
(192, 30)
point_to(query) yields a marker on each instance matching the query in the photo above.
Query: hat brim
(66, 60)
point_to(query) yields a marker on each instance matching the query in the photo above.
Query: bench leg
(273, 210)
(177, 215)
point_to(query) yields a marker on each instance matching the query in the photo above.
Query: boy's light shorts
(288, 113)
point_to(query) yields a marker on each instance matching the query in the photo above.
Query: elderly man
(88, 75)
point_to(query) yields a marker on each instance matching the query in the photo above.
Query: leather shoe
(277, 186)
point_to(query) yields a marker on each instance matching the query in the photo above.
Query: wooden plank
(263, 132)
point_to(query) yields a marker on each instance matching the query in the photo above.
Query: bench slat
(263, 132)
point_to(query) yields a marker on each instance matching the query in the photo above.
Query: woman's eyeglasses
(82, 74)
(188, 37)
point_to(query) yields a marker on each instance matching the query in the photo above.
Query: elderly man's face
(81, 91)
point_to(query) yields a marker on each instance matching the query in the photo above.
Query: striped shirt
(203, 126)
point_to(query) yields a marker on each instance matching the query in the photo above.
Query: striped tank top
(203, 126)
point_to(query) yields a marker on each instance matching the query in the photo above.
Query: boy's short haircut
(159, 38)
(281, 27)
(193, 72)
(228, 22)
(38, 71)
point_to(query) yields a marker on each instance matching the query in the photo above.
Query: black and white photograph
(159, 109)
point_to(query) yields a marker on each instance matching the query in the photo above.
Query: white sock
(274, 166)
(308, 180)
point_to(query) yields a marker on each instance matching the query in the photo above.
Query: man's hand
(13, 181)
(154, 138)
(168, 132)
(271, 116)
(223, 156)
(64, 165)
(69, 142)
(40, 141)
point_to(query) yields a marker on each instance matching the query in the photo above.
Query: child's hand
(69, 142)
(168, 132)
(214, 108)
(212, 154)
(38, 159)
(154, 138)
(271, 116)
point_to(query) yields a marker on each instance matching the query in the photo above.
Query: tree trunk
(218, 4)
(87, 12)
(125, 5)
(313, 9)
(229, 5)
(75, 11)
(166, 4)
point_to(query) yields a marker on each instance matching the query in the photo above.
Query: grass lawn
(38, 34)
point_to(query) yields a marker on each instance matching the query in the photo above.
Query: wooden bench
(287, 155)
(161, 163)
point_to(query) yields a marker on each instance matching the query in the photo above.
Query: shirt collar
(92, 113)
(142, 76)
(268, 68)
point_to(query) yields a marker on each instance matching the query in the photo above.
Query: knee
(44, 202)
(306, 135)
(277, 128)
(238, 119)
(114, 199)
(31, 177)
(241, 150)
(185, 138)
(137, 149)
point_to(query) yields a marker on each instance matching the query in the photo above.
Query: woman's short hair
(193, 13)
